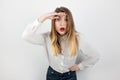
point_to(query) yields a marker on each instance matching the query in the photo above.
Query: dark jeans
(54, 75)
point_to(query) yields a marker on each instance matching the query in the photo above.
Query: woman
(62, 44)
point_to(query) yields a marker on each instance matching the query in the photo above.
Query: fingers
(52, 15)
(72, 68)
(55, 15)
(60, 14)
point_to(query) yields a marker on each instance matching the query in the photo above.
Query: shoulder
(82, 39)
(80, 35)
(46, 34)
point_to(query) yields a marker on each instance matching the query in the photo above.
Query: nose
(62, 23)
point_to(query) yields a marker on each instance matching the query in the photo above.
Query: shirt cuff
(35, 25)
(81, 67)
(36, 22)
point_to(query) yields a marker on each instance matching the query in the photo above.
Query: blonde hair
(71, 34)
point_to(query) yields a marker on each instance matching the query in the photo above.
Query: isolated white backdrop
(99, 20)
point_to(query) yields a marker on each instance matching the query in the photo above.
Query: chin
(61, 34)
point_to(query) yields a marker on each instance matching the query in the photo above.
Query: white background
(99, 20)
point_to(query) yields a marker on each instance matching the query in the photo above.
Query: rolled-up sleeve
(30, 34)
(91, 54)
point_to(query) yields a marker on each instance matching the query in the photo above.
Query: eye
(58, 19)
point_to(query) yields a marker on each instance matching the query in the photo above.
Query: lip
(62, 29)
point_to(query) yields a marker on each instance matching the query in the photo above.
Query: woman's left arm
(91, 54)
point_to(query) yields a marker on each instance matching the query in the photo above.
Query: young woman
(62, 44)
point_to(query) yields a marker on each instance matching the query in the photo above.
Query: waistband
(69, 72)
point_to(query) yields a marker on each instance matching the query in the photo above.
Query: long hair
(72, 34)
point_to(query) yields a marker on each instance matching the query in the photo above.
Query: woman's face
(61, 24)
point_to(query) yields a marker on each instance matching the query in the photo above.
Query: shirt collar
(63, 37)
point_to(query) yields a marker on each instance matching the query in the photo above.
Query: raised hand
(52, 15)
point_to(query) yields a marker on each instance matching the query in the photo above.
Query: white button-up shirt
(64, 61)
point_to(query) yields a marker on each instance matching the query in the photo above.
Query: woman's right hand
(52, 15)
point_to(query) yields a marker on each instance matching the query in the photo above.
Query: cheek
(57, 28)
(56, 23)
(67, 28)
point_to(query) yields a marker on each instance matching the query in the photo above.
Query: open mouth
(62, 29)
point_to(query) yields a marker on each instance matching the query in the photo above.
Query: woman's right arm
(30, 34)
